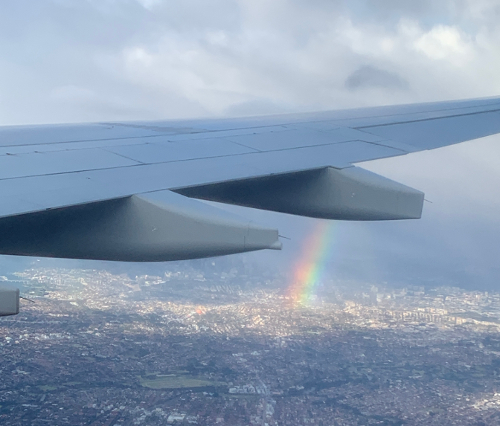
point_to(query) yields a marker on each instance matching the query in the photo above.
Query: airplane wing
(128, 191)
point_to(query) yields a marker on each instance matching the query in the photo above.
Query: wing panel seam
(199, 159)
(426, 119)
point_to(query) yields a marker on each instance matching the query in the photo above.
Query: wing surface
(54, 178)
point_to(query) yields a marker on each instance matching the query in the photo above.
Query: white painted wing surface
(54, 178)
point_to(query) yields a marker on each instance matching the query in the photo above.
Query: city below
(204, 345)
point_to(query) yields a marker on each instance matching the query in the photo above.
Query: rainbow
(311, 266)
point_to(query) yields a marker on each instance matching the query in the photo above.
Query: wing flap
(37, 164)
(65, 133)
(166, 152)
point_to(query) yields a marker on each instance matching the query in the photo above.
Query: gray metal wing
(119, 191)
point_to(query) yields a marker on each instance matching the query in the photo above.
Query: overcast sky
(93, 60)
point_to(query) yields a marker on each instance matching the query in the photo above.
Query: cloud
(371, 77)
(149, 4)
(193, 58)
(256, 107)
(444, 42)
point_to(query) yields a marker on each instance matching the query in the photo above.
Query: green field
(47, 388)
(174, 382)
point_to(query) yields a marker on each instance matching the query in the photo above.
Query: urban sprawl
(201, 345)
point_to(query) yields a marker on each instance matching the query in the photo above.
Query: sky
(98, 60)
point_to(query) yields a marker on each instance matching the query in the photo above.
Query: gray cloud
(153, 59)
(371, 77)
